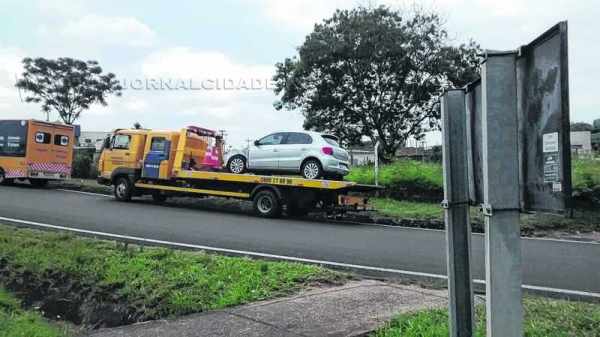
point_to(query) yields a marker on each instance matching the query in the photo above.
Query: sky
(215, 58)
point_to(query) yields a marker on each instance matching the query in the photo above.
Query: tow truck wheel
(237, 164)
(39, 183)
(123, 189)
(266, 204)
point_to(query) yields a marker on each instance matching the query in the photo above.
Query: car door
(264, 153)
(293, 150)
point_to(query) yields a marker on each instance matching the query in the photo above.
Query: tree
(66, 85)
(376, 73)
(581, 126)
(137, 125)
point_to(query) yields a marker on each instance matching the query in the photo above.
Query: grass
(585, 173)
(424, 174)
(16, 322)
(170, 282)
(408, 209)
(542, 318)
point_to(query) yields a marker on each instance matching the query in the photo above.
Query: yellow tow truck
(189, 162)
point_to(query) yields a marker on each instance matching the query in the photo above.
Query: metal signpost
(456, 214)
(506, 147)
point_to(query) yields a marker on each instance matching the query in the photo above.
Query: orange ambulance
(36, 151)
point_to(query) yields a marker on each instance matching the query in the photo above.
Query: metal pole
(377, 163)
(456, 213)
(501, 196)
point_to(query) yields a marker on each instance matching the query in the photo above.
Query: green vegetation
(16, 322)
(162, 281)
(408, 209)
(586, 173)
(543, 318)
(424, 174)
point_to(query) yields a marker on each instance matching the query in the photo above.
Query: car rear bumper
(336, 166)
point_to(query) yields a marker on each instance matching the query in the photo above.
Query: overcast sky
(201, 43)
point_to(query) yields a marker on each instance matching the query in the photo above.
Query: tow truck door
(156, 161)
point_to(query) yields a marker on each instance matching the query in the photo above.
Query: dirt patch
(58, 296)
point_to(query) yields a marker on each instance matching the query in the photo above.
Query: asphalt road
(546, 263)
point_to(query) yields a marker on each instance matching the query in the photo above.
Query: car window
(298, 138)
(331, 140)
(158, 144)
(274, 139)
(13, 138)
(121, 142)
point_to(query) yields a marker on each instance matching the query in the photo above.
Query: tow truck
(189, 162)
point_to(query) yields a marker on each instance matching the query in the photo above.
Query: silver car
(312, 154)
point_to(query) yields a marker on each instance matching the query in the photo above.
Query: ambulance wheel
(4, 180)
(123, 189)
(266, 204)
(237, 164)
(159, 197)
(38, 183)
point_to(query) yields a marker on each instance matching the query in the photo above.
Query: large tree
(66, 86)
(374, 72)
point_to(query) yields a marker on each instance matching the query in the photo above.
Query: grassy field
(408, 209)
(400, 172)
(163, 282)
(543, 318)
(585, 173)
(16, 322)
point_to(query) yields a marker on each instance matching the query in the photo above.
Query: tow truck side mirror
(106, 144)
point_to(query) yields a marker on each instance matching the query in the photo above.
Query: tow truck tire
(312, 169)
(123, 189)
(236, 164)
(266, 204)
(38, 183)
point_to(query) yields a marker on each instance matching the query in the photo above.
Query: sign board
(543, 112)
(544, 129)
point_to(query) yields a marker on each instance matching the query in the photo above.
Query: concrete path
(350, 310)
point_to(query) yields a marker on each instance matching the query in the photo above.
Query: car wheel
(311, 169)
(39, 183)
(266, 204)
(237, 165)
(123, 189)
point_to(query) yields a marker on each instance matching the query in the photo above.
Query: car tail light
(327, 150)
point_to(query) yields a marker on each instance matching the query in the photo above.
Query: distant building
(581, 142)
(92, 139)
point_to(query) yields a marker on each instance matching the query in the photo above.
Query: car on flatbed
(314, 155)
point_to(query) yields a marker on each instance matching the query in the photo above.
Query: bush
(83, 164)
(405, 179)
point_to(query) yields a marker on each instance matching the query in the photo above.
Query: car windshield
(331, 140)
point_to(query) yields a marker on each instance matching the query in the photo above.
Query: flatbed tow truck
(188, 162)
